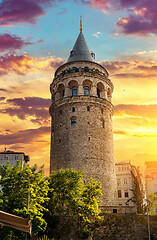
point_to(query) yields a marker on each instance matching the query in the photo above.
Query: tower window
(98, 92)
(74, 91)
(86, 69)
(88, 109)
(73, 109)
(63, 91)
(119, 194)
(60, 111)
(102, 123)
(73, 121)
(86, 91)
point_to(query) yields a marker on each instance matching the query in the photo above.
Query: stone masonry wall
(87, 146)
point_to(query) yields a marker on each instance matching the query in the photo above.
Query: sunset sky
(36, 37)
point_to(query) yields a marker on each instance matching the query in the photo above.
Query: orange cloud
(25, 64)
(147, 111)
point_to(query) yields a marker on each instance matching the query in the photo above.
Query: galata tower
(81, 112)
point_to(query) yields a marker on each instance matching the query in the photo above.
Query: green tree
(71, 195)
(152, 203)
(137, 190)
(22, 193)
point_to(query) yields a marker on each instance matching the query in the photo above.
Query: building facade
(81, 112)
(125, 183)
(12, 157)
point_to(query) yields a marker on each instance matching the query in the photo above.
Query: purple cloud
(11, 42)
(141, 20)
(56, 64)
(34, 107)
(3, 90)
(23, 11)
(14, 63)
(2, 98)
(25, 136)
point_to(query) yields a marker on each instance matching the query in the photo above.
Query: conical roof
(80, 50)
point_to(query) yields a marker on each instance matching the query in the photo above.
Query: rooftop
(81, 51)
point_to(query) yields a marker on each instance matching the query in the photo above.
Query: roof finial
(80, 23)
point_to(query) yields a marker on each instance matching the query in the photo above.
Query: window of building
(114, 210)
(125, 181)
(60, 111)
(118, 181)
(73, 109)
(126, 194)
(86, 91)
(16, 158)
(73, 121)
(88, 108)
(74, 91)
(6, 157)
(119, 193)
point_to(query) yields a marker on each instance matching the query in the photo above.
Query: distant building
(12, 157)
(124, 172)
(151, 177)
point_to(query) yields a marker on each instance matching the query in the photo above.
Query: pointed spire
(80, 23)
(80, 50)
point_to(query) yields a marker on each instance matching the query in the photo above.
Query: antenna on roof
(80, 23)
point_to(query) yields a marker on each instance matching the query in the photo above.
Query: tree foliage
(152, 203)
(23, 192)
(137, 190)
(27, 193)
(72, 195)
(69, 194)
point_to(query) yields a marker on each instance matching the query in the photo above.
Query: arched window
(86, 69)
(73, 121)
(100, 89)
(88, 108)
(74, 91)
(73, 109)
(86, 91)
(61, 90)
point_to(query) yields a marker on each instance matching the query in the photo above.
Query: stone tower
(81, 112)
